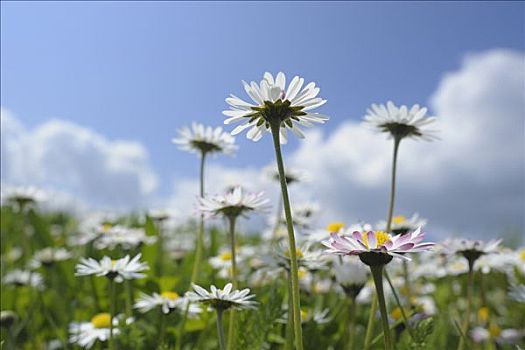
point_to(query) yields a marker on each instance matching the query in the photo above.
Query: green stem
(397, 140)
(220, 330)
(352, 309)
(289, 323)
(275, 126)
(129, 298)
(198, 255)
(398, 302)
(370, 324)
(162, 328)
(160, 251)
(466, 321)
(111, 312)
(231, 325)
(377, 273)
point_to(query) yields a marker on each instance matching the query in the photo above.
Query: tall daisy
(277, 108)
(376, 249)
(202, 141)
(222, 300)
(231, 205)
(399, 123)
(116, 271)
(471, 251)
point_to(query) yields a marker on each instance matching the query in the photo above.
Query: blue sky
(138, 71)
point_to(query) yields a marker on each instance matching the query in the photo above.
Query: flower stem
(275, 126)
(231, 325)
(398, 302)
(397, 141)
(111, 312)
(220, 331)
(466, 321)
(352, 310)
(162, 330)
(377, 273)
(129, 298)
(198, 254)
(370, 325)
(289, 323)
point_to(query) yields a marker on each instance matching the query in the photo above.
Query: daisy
(351, 275)
(377, 247)
(222, 299)
(401, 224)
(494, 333)
(22, 278)
(158, 215)
(470, 249)
(292, 175)
(23, 195)
(48, 256)
(203, 140)
(275, 106)
(113, 236)
(117, 270)
(400, 122)
(7, 318)
(306, 257)
(232, 204)
(167, 302)
(85, 334)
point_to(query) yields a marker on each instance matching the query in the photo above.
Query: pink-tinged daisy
(377, 247)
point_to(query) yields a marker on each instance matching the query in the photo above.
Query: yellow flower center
(396, 313)
(298, 252)
(494, 331)
(483, 314)
(381, 238)
(169, 295)
(113, 262)
(399, 219)
(522, 255)
(301, 274)
(304, 315)
(335, 227)
(106, 227)
(226, 256)
(102, 320)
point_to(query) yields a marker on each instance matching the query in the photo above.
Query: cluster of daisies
(387, 264)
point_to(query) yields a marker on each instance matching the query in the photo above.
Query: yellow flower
(396, 313)
(298, 253)
(102, 320)
(494, 331)
(398, 220)
(169, 295)
(335, 227)
(226, 256)
(522, 255)
(483, 314)
(381, 238)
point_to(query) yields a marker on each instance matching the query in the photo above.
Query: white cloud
(70, 158)
(471, 182)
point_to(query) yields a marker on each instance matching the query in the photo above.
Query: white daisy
(470, 249)
(23, 278)
(222, 299)
(351, 275)
(22, 195)
(292, 175)
(118, 270)
(7, 318)
(306, 257)
(167, 302)
(158, 215)
(111, 237)
(234, 203)
(494, 333)
(274, 103)
(401, 224)
(400, 122)
(85, 334)
(48, 256)
(203, 140)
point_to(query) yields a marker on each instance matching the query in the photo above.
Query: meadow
(145, 281)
